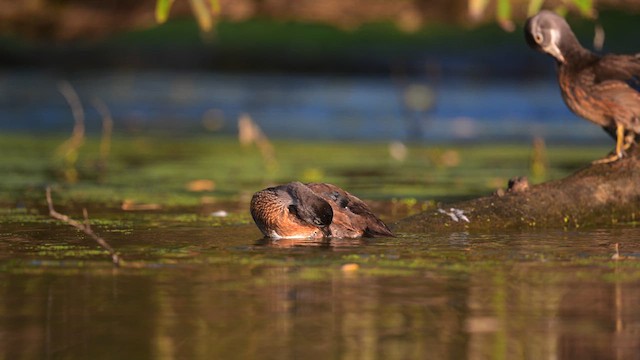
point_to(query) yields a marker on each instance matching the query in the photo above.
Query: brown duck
(597, 88)
(314, 210)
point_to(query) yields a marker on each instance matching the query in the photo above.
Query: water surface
(198, 286)
(197, 291)
(426, 108)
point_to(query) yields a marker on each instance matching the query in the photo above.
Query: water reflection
(534, 295)
(299, 106)
(322, 243)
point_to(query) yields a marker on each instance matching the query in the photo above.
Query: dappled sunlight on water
(200, 291)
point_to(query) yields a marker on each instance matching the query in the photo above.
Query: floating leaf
(201, 185)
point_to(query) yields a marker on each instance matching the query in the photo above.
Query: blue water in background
(288, 106)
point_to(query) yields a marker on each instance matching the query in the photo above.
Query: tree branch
(84, 227)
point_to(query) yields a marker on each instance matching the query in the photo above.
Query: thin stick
(107, 127)
(249, 132)
(86, 219)
(77, 136)
(86, 228)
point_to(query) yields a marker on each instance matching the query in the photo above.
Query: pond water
(328, 107)
(193, 285)
(197, 291)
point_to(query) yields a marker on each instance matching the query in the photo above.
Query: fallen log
(599, 195)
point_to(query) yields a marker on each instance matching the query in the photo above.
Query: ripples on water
(218, 292)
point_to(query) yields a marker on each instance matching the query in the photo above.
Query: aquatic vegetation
(148, 171)
(158, 171)
(193, 277)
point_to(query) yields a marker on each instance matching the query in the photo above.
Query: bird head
(548, 32)
(309, 207)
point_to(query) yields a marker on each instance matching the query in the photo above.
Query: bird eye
(538, 38)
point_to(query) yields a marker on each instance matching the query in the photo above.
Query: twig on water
(617, 255)
(250, 133)
(84, 227)
(105, 142)
(77, 136)
(68, 151)
(107, 128)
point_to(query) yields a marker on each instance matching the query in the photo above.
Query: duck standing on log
(597, 88)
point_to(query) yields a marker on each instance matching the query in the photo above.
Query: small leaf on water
(130, 205)
(350, 267)
(201, 185)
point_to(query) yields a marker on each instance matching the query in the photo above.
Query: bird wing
(623, 68)
(617, 79)
(351, 204)
(622, 101)
(374, 226)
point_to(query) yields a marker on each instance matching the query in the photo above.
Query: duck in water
(597, 88)
(314, 210)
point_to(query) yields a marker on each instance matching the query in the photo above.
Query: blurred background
(408, 70)
(158, 120)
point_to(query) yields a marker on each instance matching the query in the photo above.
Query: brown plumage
(352, 217)
(314, 210)
(597, 88)
(291, 211)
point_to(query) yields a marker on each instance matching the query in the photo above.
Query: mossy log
(599, 195)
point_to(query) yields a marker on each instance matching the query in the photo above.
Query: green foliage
(585, 6)
(504, 13)
(534, 7)
(162, 10)
(204, 12)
